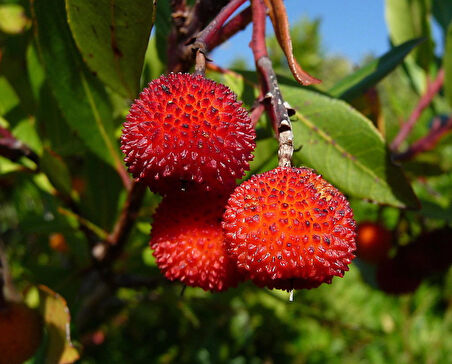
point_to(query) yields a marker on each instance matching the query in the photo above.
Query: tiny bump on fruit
(289, 229)
(20, 333)
(187, 240)
(187, 130)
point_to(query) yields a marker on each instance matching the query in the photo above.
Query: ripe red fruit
(394, 277)
(373, 242)
(187, 239)
(185, 129)
(289, 228)
(20, 333)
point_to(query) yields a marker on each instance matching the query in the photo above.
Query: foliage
(68, 73)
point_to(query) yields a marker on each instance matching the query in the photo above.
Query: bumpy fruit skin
(289, 228)
(187, 240)
(185, 129)
(373, 242)
(20, 333)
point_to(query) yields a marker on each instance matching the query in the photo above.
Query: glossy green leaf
(448, 66)
(369, 75)
(344, 146)
(409, 19)
(112, 36)
(80, 96)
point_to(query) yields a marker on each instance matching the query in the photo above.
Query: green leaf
(369, 75)
(442, 11)
(57, 319)
(409, 19)
(8, 97)
(448, 66)
(80, 96)
(346, 148)
(112, 36)
(56, 170)
(162, 29)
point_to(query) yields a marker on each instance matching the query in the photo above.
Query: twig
(210, 34)
(273, 99)
(257, 111)
(432, 89)
(232, 27)
(204, 39)
(186, 23)
(111, 247)
(14, 149)
(427, 142)
(92, 228)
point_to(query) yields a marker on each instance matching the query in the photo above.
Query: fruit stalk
(210, 36)
(273, 99)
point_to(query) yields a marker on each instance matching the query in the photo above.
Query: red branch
(273, 99)
(211, 34)
(428, 142)
(432, 89)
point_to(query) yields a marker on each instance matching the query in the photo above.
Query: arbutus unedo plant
(169, 193)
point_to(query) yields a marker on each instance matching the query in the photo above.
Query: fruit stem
(213, 34)
(273, 100)
(432, 89)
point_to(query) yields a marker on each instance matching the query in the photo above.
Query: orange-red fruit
(188, 241)
(373, 242)
(20, 333)
(289, 228)
(185, 129)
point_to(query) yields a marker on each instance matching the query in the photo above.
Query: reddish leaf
(278, 16)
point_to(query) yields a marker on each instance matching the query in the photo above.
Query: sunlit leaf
(79, 94)
(346, 148)
(369, 75)
(112, 37)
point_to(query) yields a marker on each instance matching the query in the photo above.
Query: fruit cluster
(189, 139)
(402, 273)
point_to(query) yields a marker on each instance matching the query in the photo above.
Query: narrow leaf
(369, 75)
(80, 96)
(346, 148)
(409, 19)
(112, 36)
(278, 16)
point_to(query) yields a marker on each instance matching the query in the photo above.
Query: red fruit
(393, 277)
(20, 333)
(289, 228)
(188, 241)
(373, 242)
(186, 129)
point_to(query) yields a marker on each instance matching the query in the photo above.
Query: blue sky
(352, 28)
